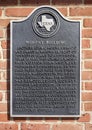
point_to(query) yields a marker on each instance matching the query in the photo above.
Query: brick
(35, 127)
(8, 2)
(87, 1)
(87, 75)
(41, 2)
(0, 75)
(6, 75)
(34, 2)
(65, 2)
(87, 54)
(1, 96)
(4, 85)
(4, 22)
(67, 127)
(4, 117)
(87, 96)
(3, 107)
(80, 11)
(5, 44)
(5, 65)
(87, 33)
(88, 86)
(68, 119)
(49, 119)
(19, 119)
(0, 11)
(88, 126)
(37, 119)
(6, 54)
(1, 33)
(18, 12)
(83, 85)
(28, 2)
(82, 107)
(8, 127)
(84, 118)
(0, 53)
(88, 64)
(88, 106)
(7, 96)
(63, 11)
(87, 22)
(86, 43)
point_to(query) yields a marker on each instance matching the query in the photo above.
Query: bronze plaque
(45, 65)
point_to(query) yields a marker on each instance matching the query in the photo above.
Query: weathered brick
(67, 123)
(1, 33)
(8, 2)
(88, 106)
(63, 11)
(7, 96)
(28, 2)
(65, 2)
(35, 127)
(4, 85)
(88, 64)
(80, 11)
(5, 44)
(18, 12)
(87, 33)
(8, 126)
(0, 54)
(87, 54)
(4, 22)
(68, 119)
(19, 119)
(2, 75)
(6, 54)
(87, 22)
(84, 118)
(37, 119)
(5, 65)
(0, 11)
(87, 1)
(49, 119)
(34, 2)
(87, 75)
(1, 96)
(4, 117)
(87, 96)
(3, 107)
(88, 86)
(85, 43)
(6, 75)
(88, 126)
(67, 127)
(43, 2)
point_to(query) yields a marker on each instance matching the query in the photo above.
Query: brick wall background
(71, 9)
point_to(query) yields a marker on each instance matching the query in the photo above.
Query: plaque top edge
(50, 7)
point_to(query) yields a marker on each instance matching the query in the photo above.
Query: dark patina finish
(45, 65)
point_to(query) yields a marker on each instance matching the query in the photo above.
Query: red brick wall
(72, 9)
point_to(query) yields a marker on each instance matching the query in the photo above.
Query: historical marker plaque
(45, 65)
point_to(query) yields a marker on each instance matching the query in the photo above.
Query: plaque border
(11, 41)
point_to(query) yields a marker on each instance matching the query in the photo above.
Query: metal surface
(45, 65)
